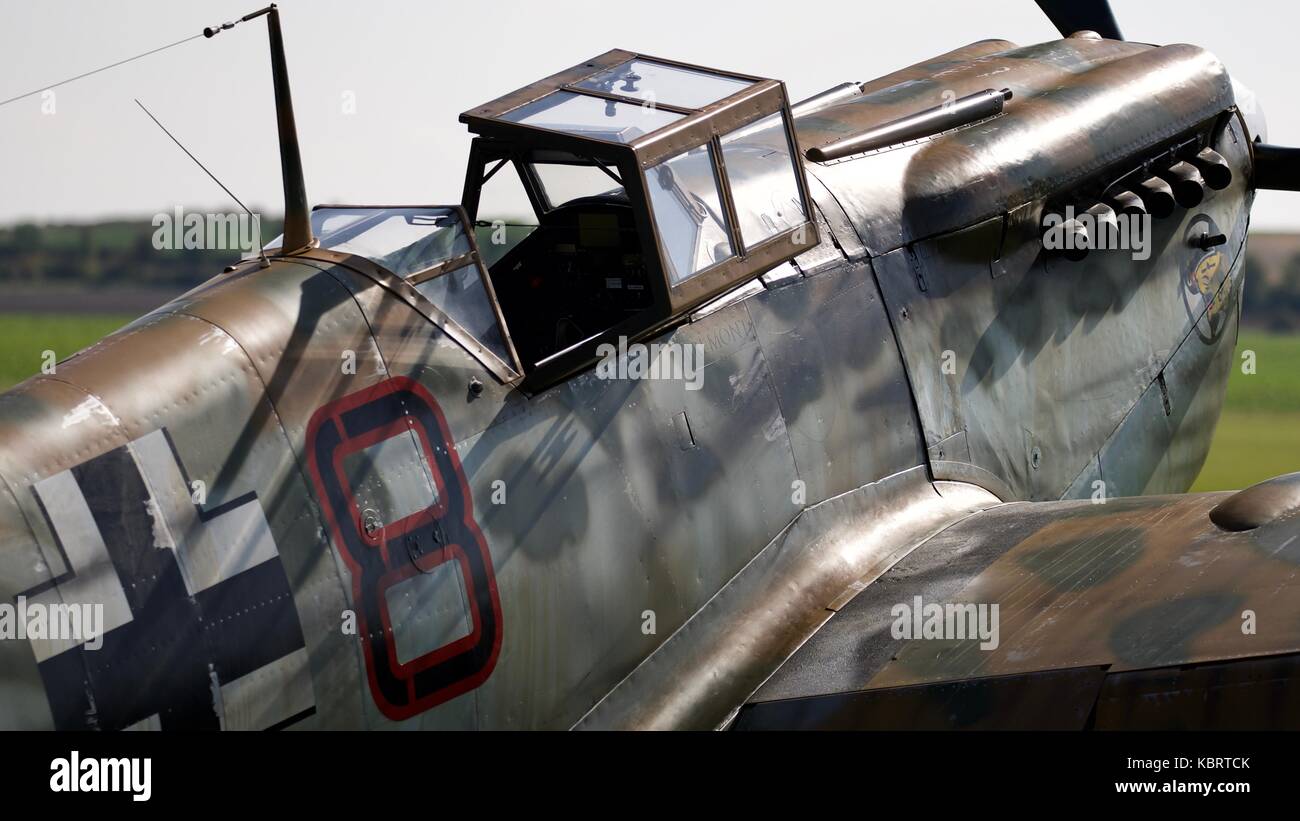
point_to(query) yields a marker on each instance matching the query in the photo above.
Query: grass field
(24, 338)
(1259, 432)
(1258, 435)
(1250, 446)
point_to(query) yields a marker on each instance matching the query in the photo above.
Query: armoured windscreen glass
(461, 296)
(403, 240)
(593, 117)
(409, 242)
(688, 213)
(657, 82)
(761, 172)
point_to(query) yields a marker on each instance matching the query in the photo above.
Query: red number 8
(445, 531)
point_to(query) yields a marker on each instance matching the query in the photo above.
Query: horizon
(379, 124)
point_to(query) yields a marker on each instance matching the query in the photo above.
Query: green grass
(1258, 435)
(1275, 385)
(25, 337)
(1250, 446)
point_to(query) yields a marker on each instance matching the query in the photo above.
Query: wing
(1143, 612)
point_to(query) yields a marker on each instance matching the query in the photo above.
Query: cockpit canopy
(690, 187)
(653, 188)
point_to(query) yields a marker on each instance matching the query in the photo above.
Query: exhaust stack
(1187, 183)
(1127, 203)
(1214, 168)
(1157, 196)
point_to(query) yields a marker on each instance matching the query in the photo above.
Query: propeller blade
(1070, 16)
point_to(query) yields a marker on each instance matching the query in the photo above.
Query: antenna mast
(297, 214)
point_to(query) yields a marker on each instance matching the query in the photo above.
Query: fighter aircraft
(703, 442)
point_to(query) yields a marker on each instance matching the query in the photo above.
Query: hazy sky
(412, 67)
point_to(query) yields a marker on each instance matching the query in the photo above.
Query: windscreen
(430, 247)
(403, 240)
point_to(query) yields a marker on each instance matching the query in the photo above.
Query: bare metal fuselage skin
(648, 554)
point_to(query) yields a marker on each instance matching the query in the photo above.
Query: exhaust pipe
(1074, 239)
(1157, 196)
(1106, 225)
(1187, 183)
(1214, 168)
(1127, 203)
